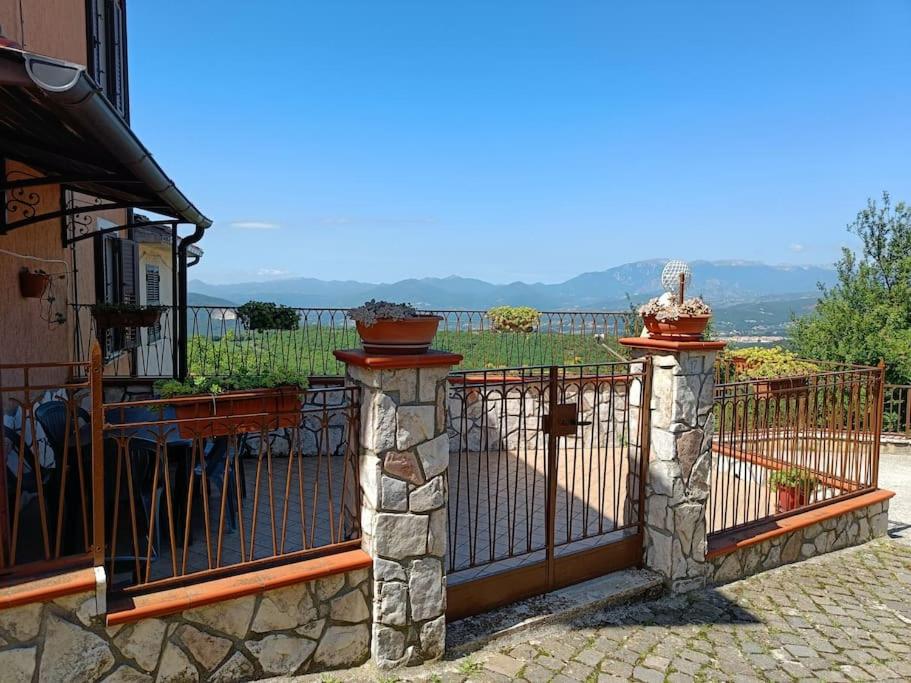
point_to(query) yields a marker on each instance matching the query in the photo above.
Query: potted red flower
(794, 486)
(666, 317)
(394, 329)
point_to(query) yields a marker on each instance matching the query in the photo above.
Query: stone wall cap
(431, 359)
(47, 588)
(653, 344)
(173, 600)
(731, 541)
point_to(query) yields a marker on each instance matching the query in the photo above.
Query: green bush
(763, 363)
(265, 315)
(514, 318)
(792, 477)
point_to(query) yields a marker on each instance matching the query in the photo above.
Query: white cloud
(797, 247)
(255, 225)
(271, 272)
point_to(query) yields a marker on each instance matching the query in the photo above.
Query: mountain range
(721, 283)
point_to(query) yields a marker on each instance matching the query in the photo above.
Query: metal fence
(545, 478)
(197, 487)
(219, 344)
(166, 491)
(45, 477)
(784, 445)
(897, 410)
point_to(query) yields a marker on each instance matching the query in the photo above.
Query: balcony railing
(219, 344)
(162, 492)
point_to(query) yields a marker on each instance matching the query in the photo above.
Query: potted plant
(33, 283)
(239, 403)
(513, 318)
(393, 329)
(113, 315)
(774, 370)
(665, 317)
(793, 487)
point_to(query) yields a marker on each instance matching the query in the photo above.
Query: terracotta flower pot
(399, 337)
(683, 328)
(238, 412)
(791, 498)
(32, 284)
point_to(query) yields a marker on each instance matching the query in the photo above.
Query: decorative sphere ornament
(670, 276)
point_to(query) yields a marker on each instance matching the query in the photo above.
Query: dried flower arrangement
(371, 311)
(668, 309)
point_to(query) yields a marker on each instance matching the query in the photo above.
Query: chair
(14, 460)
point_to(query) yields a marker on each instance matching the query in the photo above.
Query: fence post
(878, 420)
(680, 457)
(404, 463)
(96, 390)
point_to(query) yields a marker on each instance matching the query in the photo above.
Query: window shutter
(117, 89)
(129, 284)
(153, 284)
(97, 18)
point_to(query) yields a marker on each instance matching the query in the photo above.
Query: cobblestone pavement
(841, 617)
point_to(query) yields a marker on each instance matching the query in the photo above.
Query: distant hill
(197, 299)
(722, 283)
(765, 317)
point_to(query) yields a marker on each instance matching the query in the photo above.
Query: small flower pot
(145, 317)
(399, 337)
(683, 329)
(33, 284)
(238, 412)
(791, 498)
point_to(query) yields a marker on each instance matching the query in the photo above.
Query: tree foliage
(265, 315)
(866, 315)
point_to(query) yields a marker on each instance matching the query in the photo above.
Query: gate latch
(563, 421)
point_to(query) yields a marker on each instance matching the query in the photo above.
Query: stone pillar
(404, 462)
(679, 471)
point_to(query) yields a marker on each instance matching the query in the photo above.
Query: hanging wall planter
(113, 316)
(33, 283)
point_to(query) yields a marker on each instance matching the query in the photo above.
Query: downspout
(182, 360)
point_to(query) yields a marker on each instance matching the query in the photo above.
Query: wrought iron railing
(506, 463)
(162, 492)
(219, 344)
(783, 445)
(200, 487)
(897, 410)
(45, 466)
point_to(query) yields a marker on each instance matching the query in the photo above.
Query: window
(106, 20)
(153, 298)
(120, 258)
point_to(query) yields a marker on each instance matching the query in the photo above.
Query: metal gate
(547, 472)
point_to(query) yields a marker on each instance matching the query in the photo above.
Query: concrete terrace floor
(845, 616)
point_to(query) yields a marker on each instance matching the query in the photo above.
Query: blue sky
(521, 140)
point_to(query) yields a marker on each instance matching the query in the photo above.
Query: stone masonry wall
(852, 528)
(404, 466)
(312, 626)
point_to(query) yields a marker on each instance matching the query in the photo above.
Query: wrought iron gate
(547, 472)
